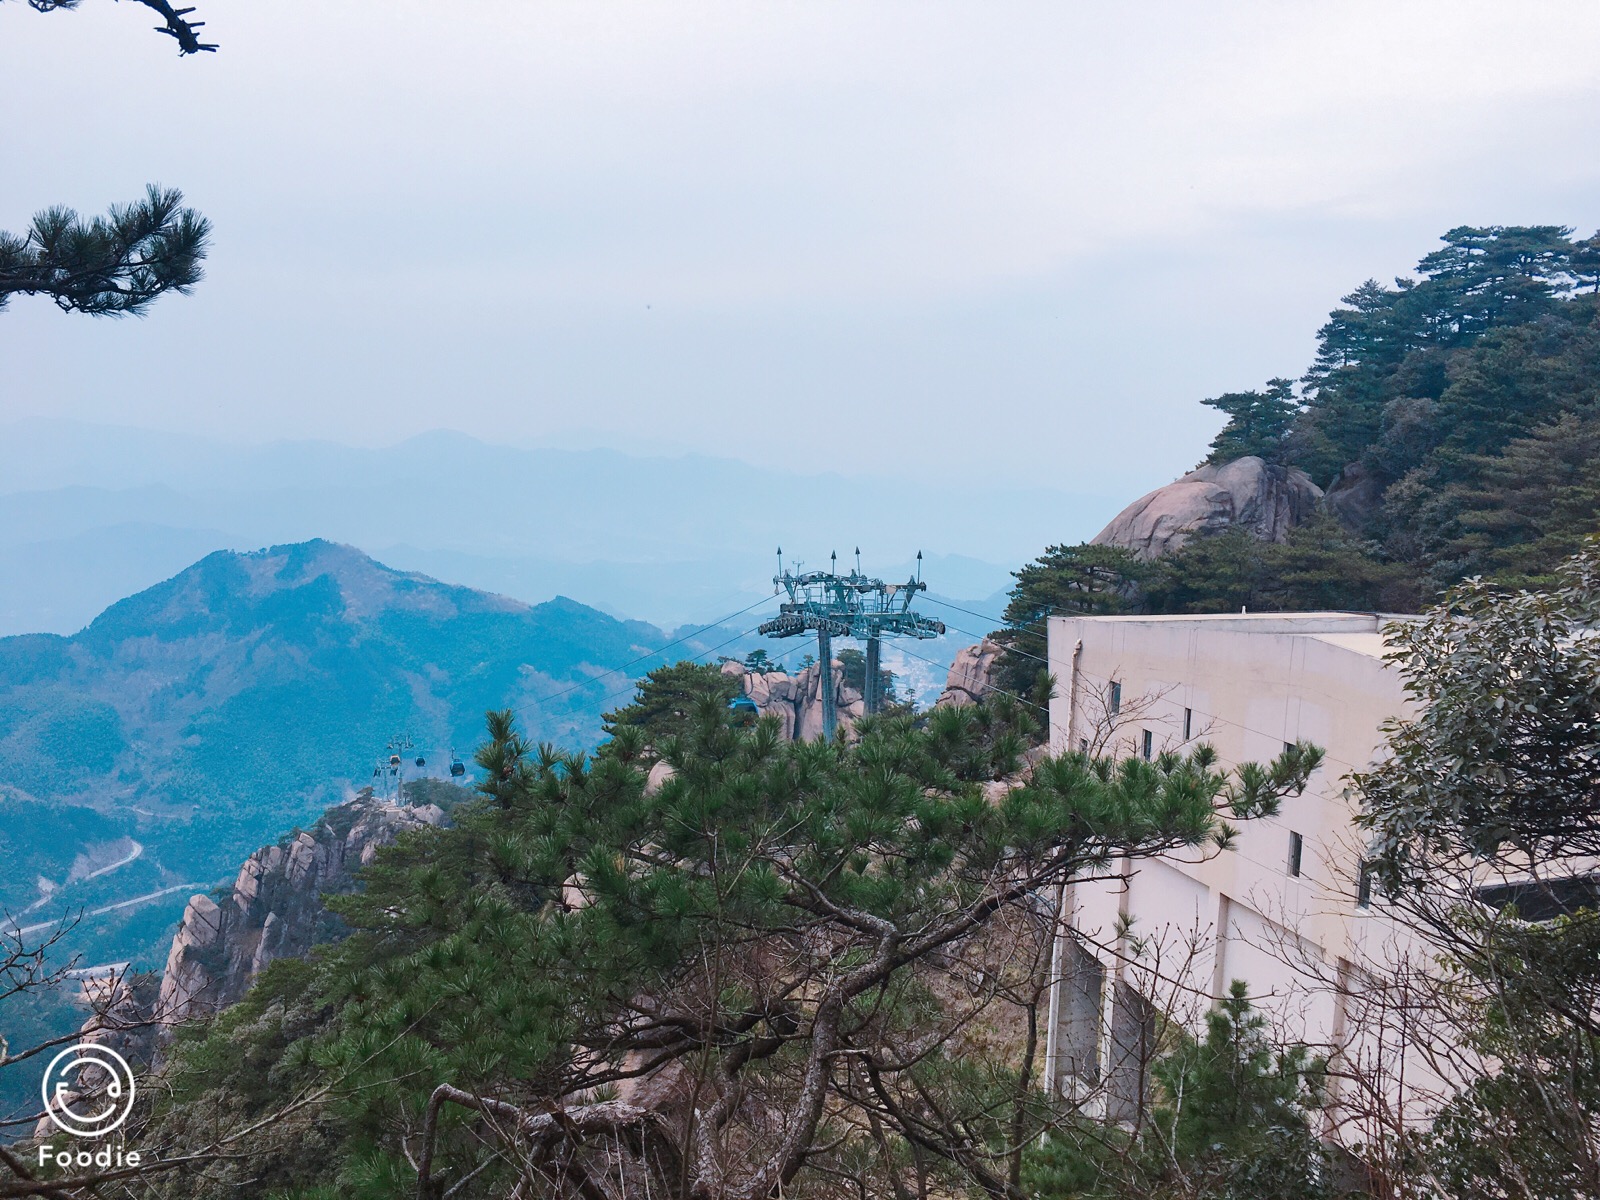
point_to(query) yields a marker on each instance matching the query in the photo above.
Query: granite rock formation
(972, 674)
(275, 909)
(1247, 493)
(796, 700)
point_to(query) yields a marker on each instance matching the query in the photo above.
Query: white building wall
(1250, 684)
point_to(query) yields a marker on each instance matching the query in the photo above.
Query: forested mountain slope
(214, 711)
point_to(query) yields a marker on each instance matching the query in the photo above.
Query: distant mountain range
(89, 514)
(194, 721)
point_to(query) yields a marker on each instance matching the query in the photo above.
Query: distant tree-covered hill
(213, 712)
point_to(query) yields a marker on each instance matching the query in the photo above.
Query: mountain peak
(233, 590)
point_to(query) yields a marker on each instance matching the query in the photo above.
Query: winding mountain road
(99, 912)
(138, 849)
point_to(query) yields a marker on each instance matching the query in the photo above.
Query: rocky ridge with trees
(1449, 421)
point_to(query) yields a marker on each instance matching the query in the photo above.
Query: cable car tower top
(852, 606)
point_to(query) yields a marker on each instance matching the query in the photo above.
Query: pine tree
(753, 978)
(1258, 422)
(1085, 579)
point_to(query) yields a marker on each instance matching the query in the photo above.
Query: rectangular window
(1149, 745)
(1083, 745)
(1296, 847)
(1288, 746)
(1364, 887)
(1188, 723)
(1116, 697)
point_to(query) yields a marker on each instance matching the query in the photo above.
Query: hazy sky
(1012, 239)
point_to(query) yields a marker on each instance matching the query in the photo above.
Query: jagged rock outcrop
(1247, 493)
(796, 700)
(275, 909)
(972, 675)
(122, 1003)
(1355, 498)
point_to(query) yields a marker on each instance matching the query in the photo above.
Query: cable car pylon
(853, 606)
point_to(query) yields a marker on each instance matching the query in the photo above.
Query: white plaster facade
(1282, 909)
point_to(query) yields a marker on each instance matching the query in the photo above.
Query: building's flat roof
(1264, 622)
(1372, 645)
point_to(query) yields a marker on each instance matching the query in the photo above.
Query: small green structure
(852, 606)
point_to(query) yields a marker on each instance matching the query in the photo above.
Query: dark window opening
(1116, 698)
(1149, 745)
(1364, 887)
(1543, 899)
(1188, 723)
(1296, 848)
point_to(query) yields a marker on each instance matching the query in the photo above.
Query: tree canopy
(1495, 336)
(1258, 422)
(1485, 826)
(796, 967)
(1451, 419)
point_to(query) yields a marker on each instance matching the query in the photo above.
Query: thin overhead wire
(660, 650)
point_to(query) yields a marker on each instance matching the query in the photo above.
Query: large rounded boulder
(1247, 493)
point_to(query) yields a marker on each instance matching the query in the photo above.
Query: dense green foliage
(1083, 579)
(1486, 831)
(1432, 390)
(1258, 422)
(1230, 1120)
(773, 971)
(667, 698)
(1319, 566)
(1454, 419)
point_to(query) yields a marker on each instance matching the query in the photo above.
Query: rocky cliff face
(1266, 499)
(796, 700)
(275, 909)
(972, 675)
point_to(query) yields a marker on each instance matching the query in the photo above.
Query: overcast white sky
(992, 238)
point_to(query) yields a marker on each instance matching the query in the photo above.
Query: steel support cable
(660, 650)
(633, 684)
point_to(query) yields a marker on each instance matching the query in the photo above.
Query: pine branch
(179, 27)
(176, 23)
(113, 265)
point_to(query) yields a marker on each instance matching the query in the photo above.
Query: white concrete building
(1284, 909)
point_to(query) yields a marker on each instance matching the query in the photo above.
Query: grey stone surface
(796, 700)
(971, 674)
(275, 909)
(1248, 493)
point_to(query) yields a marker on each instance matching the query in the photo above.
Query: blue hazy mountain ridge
(91, 513)
(216, 710)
